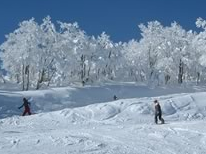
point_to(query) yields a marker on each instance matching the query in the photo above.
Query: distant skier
(158, 112)
(26, 107)
(115, 97)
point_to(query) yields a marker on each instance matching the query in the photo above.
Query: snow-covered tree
(18, 51)
(175, 53)
(37, 55)
(199, 45)
(152, 39)
(135, 60)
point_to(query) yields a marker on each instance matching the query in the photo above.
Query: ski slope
(75, 120)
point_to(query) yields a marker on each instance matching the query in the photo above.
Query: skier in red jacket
(26, 107)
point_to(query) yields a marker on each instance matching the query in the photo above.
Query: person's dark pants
(27, 110)
(159, 116)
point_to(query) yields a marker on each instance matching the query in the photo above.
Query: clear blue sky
(118, 18)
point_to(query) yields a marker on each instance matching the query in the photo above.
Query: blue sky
(118, 18)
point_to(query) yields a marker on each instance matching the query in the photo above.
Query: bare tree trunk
(28, 77)
(180, 75)
(41, 78)
(151, 64)
(49, 80)
(83, 69)
(108, 67)
(88, 72)
(17, 78)
(167, 78)
(198, 77)
(23, 79)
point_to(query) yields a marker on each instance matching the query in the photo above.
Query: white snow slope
(86, 121)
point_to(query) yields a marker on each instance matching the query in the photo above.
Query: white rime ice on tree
(36, 55)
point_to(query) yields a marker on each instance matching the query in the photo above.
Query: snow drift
(94, 126)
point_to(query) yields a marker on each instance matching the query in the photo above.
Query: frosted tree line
(38, 55)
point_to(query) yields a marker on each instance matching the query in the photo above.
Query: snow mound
(69, 122)
(139, 110)
(96, 103)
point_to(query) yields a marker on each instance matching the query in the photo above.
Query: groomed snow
(76, 120)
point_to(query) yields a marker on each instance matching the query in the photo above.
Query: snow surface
(86, 120)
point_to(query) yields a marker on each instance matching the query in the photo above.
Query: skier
(26, 107)
(158, 112)
(115, 97)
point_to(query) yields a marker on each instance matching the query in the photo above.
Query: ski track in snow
(100, 137)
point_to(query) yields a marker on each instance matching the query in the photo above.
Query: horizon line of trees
(38, 55)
